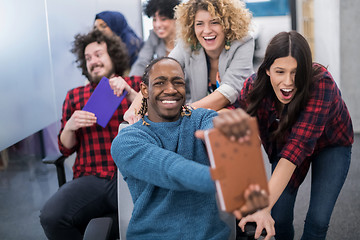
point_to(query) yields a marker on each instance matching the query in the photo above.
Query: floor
(27, 183)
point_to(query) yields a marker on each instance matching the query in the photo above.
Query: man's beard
(96, 79)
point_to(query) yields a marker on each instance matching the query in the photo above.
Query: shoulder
(322, 77)
(241, 48)
(132, 79)
(181, 48)
(136, 132)
(241, 42)
(153, 39)
(203, 113)
(248, 85)
(250, 80)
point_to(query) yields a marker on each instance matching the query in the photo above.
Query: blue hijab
(118, 24)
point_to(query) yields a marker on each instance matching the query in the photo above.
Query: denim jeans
(328, 173)
(67, 213)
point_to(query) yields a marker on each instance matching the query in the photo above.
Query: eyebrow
(165, 78)
(281, 68)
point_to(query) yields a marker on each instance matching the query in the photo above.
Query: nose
(207, 28)
(156, 23)
(289, 79)
(170, 88)
(93, 60)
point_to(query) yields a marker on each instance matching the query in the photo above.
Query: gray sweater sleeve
(235, 66)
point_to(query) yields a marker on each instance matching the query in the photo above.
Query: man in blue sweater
(165, 166)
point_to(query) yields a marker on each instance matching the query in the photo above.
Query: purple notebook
(103, 102)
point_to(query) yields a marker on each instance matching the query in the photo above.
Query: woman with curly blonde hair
(216, 50)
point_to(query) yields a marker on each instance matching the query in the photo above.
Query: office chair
(98, 228)
(125, 203)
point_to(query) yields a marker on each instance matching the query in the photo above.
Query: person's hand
(131, 116)
(233, 124)
(80, 119)
(263, 220)
(255, 199)
(118, 85)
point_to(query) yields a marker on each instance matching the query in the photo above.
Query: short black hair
(165, 7)
(145, 77)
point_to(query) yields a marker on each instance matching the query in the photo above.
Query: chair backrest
(125, 204)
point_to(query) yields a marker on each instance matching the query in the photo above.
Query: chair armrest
(58, 161)
(54, 159)
(98, 229)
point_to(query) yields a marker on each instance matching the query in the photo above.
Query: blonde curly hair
(234, 17)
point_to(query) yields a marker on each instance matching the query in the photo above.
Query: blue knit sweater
(166, 169)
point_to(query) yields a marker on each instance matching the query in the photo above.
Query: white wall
(349, 58)
(267, 28)
(327, 36)
(37, 68)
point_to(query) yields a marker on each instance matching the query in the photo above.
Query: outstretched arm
(279, 179)
(233, 123)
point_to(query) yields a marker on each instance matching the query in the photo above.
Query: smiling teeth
(169, 101)
(209, 38)
(287, 90)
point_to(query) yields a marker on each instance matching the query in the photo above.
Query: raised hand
(233, 124)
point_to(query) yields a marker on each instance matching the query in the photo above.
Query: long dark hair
(282, 45)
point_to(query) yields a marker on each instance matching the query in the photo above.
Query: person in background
(93, 191)
(111, 22)
(216, 50)
(303, 121)
(166, 166)
(213, 43)
(162, 37)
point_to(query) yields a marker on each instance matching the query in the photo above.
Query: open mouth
(160, 31)
(209, 39)
(287, 92)
(169, 101)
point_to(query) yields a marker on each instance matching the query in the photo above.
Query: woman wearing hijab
(111, 22)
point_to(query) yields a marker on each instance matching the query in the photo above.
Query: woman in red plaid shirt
(302, 120)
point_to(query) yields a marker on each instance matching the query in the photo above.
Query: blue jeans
(66, 214)
(328, 173)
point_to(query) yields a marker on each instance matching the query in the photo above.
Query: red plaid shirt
(324, 122)
(93, 143)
